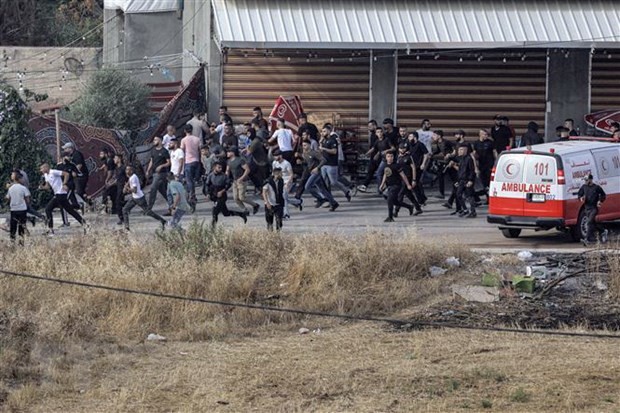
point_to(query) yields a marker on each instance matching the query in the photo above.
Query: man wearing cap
(592, 196)
(217, 184)
(81, 175)
(191, 149)
(158, 168)
(238, 170)
(273, 195)
(57, 181)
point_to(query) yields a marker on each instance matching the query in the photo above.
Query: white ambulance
(537, 188)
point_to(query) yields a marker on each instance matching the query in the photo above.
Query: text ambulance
(537, 189)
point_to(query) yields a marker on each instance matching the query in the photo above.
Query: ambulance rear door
(508, 175)
(542, 189)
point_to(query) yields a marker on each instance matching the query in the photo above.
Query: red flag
(289, 108)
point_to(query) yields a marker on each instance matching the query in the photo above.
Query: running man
(134, 188)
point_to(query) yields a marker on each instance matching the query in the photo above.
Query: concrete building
(457, 62)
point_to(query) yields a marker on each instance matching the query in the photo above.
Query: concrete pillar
(196, 36)
(383, 85)
(112, 36)
(568, 89)
(215, 79)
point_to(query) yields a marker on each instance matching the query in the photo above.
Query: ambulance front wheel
(511, 232)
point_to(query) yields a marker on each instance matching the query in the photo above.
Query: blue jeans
(317, 189)
(176, 218)
(192, 174)
(331, 173)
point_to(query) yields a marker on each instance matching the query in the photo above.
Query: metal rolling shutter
(340, 87)
(605, 92)
(466, 95)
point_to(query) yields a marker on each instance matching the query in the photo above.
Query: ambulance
(536, 189)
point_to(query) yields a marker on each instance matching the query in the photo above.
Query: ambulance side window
(607, 163)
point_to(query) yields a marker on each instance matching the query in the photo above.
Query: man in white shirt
(19, 200)
(177, 160)
(171, 132)
(425, 134)
(57, 181)
(287, 176)
(137, 198)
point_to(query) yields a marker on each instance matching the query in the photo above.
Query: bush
(113, 100)
(18, 146)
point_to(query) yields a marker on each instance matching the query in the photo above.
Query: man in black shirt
(329, 147)
(570, 125)
(372, 137)
(109, 191)
(390, 132)
(377, 159)
(258, 117)
(501, 134)
(485, 153)
(217, 184)
(229, 139)
(81, 174)
(562, 134)
(305, 126)
(420, 156)
(120, 179)
(442, 149)
(465, 182)
(406, 164)
(159, 166)
(592, 196)
(393, 180)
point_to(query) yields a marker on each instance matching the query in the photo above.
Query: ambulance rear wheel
(511, 232)
(580, 231)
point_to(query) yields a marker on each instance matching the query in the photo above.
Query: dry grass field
(72, 349)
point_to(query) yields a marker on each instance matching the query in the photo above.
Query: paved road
(365, 212)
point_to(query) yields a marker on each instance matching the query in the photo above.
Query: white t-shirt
(287, 170)
(134, 182)
(17, 195)
(426, 137)
(285, 139)
(166, 141)
(54, 179)
(175, 161)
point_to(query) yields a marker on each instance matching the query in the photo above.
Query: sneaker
(362, 188)
(348, 196)
(463, 213)
(457, 212)
(32, 221)
(410, 210)
(163, 225)
(192, 207)
(49, 233)
(396, 211)
(65, 225)
(333, 207)
(319, 204)
(169, 213)
(244, 216)
(255, 209)
(388, 219)
(353, 190)
(605, 236)
(471, 215)
(417, 212)
(301, 205)
(446, 205)
(287, 216)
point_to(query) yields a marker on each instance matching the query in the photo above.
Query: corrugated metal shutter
(257, 78)
(466, 95)
(605, 82)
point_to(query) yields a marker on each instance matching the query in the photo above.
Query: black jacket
(467, 169)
